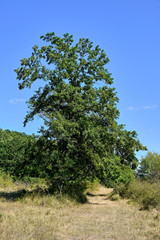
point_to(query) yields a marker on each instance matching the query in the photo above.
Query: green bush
(75, 190)
(113, 172)
(93, 185)
(145, 193)
(5, 180)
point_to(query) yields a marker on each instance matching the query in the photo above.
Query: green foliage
(18, 153)
(5, 180)
(126, 146)
(144, 193)
(75, 190)
(113, 172)
(150, 166)
(1, 217)
(93, 185)
(10, 149)
(79, 108)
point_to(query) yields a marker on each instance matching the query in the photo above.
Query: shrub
(93, 185)
(5, 180)
(114, 172)
(115, 197)
(145, 193)
(75, 190)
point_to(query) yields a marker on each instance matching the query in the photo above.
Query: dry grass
(46, 218)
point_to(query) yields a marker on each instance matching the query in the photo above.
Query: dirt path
(100, 196)
(115, 220)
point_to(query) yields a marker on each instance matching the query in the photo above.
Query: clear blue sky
(128, 31)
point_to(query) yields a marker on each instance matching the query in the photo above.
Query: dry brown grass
(46, 218)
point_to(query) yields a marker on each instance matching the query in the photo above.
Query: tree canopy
(23, 156)
(150, 166)
(78, 105)
(14, 152)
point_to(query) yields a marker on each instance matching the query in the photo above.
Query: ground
(46, 218)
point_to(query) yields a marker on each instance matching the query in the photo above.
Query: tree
(113, 172)
(150, 166)
(78, 106)
(17, 154)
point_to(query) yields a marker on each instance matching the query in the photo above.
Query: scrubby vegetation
(146, 194)
(27, 211)
(22, 159)
(145, 189)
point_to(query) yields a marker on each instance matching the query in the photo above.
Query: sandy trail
(100, 196)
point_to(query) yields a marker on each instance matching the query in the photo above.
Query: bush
(145, 193)
(5, 180)
(93, 185)
(113, 172)
(74, 190)
(115, 197)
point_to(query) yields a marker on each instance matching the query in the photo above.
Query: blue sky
(128, 31)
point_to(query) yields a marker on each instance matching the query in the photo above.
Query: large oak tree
(79, 107)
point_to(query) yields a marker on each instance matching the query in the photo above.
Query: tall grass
(38, 216)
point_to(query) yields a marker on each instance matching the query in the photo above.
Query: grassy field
(48, 218)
